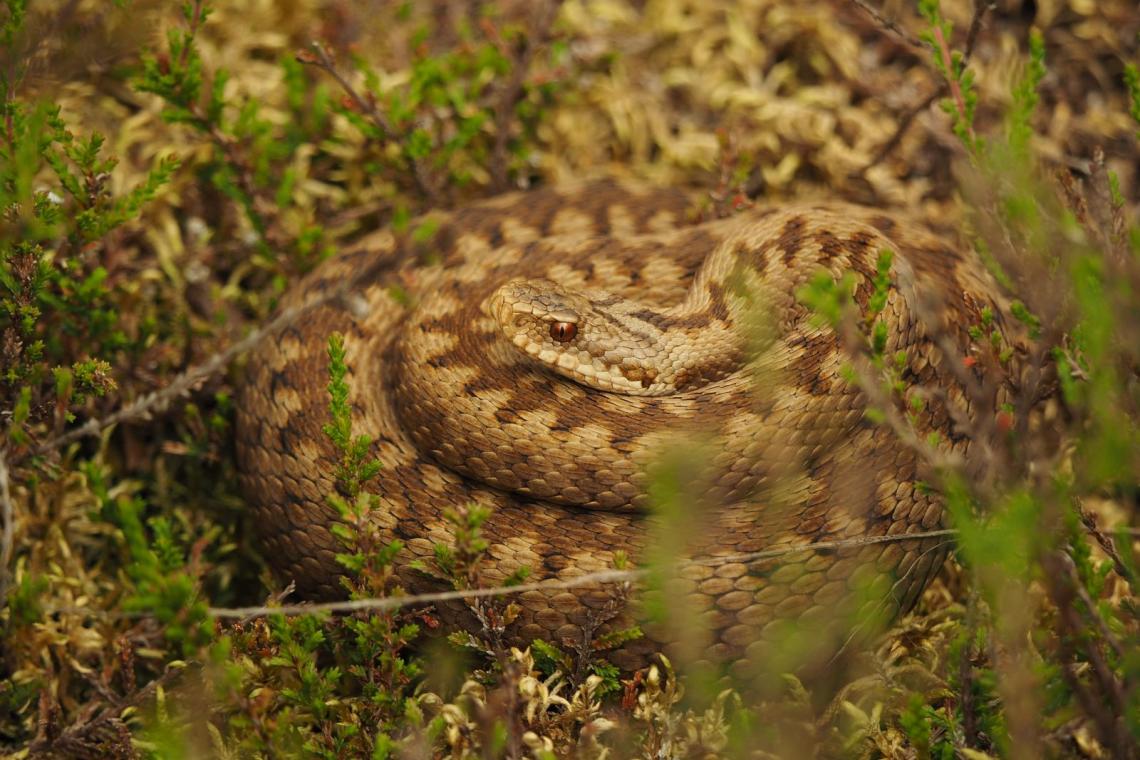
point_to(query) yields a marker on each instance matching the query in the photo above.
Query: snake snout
(532, 304)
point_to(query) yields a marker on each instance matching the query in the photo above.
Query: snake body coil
(549, 346)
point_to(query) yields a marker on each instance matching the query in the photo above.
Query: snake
(575, 359)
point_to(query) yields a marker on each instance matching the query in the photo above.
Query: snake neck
(693, 345)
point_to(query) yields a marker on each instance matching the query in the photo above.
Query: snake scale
(538, 351)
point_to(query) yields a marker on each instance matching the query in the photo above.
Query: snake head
(529, 307)
(574, 334)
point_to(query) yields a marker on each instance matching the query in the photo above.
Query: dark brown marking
(443, 324)
(858, 243)
(545, 210)
(276, 380)
(639, 375)
(694, 377)
(530, 393)
(601, 217)
(791, 238)
(717, 309)
(812, 526)
(469, 351)
(718, 304)
(865, 266)
(755, 257)
(482, 384)
(495, 236)
(659, 321)
(829, 246)
(938, 263)
(806, 369)
(665, 322)
(883, 224)
(294, 331)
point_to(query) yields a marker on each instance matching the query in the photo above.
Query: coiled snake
(541, 349)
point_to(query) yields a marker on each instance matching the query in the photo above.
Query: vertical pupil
(563, 332)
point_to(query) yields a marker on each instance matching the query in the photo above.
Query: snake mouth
(498, 309)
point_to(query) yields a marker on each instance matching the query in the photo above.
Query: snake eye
(563, 332)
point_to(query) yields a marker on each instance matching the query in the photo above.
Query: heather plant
(57, 303)
(1025, 523)
(252, 158)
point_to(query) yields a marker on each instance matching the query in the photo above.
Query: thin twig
(367, 105)
(900, 130)
(1108, 702)
(599, 577)
(966, 675)
(1093, 612)
(980, 10)
(142, 408)
(889, 24)
(83, 734)
(955, 88)
(542, 20)
(325, 62)
(1107, 545)
(7, 525)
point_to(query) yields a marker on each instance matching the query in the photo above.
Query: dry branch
(980, 10)
(541, 22)
(588, 579)
(143, 408)
(889, 25)
(322, 59)
(7, 526)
